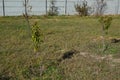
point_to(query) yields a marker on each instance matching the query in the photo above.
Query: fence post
(25, 6)
(118, 7)
(46, 6)
(65, 7)
(3, 7)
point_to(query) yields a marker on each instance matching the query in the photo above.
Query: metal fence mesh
(65, 7)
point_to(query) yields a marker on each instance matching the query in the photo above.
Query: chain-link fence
(41, 7)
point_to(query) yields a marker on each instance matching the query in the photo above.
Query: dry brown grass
(62, 34)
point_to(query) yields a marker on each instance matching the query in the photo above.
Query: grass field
(61, 34)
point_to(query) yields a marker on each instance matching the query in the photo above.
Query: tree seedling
(34, 31)
(106, 23)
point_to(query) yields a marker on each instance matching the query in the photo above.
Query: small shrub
(53, 10)
(37, 37)
(83, 9)
(100, 7)
(106, 22)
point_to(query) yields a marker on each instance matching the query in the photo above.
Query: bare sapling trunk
(104, 47)
(26, 16)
